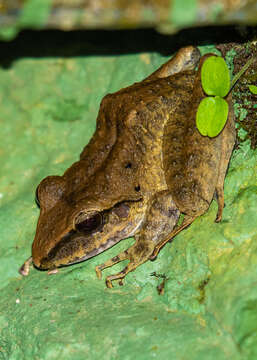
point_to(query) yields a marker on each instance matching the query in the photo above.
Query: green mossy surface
(48, 108)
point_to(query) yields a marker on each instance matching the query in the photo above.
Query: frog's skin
(145, 165)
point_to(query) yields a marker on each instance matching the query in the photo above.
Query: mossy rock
(209, 307)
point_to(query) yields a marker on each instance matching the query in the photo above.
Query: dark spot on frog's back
(165, 100)
(128, 165)
(178, 176)
(153, 106)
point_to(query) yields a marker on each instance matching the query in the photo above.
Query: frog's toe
(109, 280)
(52, 272)
(108, 283)
(98, 272)
(24, 269)
(115, 260)
(219, 215)
(153, 257)
(132, 265)
(119, 276)
(218, 219)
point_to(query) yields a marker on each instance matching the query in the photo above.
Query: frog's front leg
(161, 217)
(137, 254)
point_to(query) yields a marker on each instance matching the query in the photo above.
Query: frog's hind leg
(185, 59)
(227, 144)
(220, 200)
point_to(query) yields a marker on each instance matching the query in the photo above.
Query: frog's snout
(36, 262)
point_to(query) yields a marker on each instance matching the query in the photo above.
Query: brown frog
(145, 165)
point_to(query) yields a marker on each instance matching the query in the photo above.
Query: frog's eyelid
(36, 198)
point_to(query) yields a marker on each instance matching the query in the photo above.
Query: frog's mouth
(93, 233)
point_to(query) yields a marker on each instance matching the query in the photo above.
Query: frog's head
(71, 230)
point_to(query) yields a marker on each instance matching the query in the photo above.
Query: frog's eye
(88, 223)
(36, 198)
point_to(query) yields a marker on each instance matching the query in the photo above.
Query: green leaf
(253, 89)
(211, 116)
(215, 76)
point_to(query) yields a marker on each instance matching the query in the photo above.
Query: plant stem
(240, 73)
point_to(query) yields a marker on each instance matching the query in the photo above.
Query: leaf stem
(240, 73)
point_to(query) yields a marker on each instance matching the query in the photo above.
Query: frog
(145, 167)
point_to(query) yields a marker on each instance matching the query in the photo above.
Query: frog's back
(141, 112)
(124, 158)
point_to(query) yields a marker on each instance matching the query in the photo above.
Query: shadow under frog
(145, 165)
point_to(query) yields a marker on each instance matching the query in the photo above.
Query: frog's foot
(121, 275)
(52, 272)
(115, 260)
(186, 222)
(137, 254)
(24, 269)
